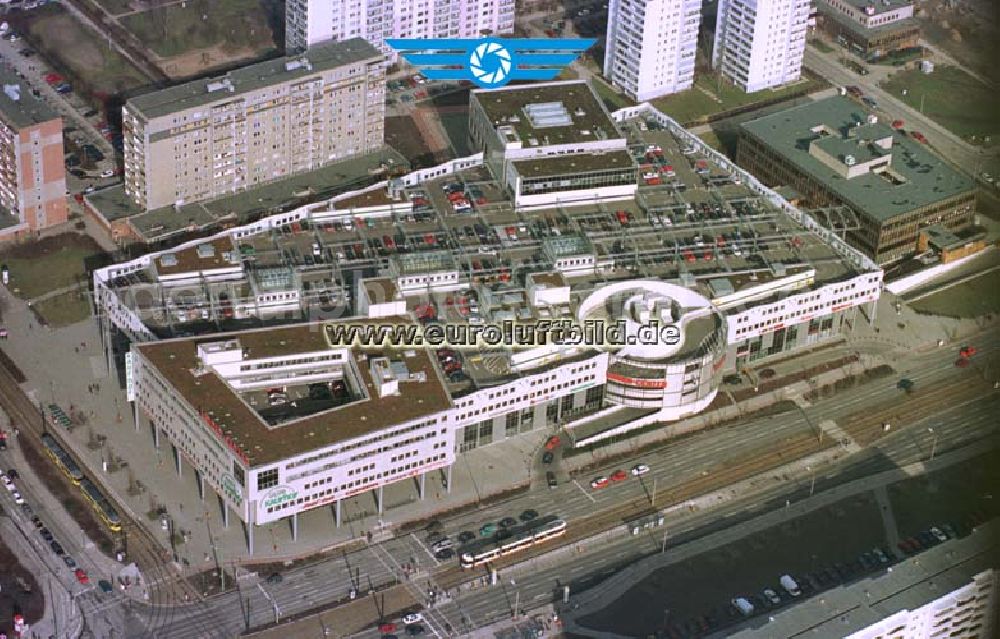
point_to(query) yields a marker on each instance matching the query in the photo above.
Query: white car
(938, 534)
(17, 498)
(772, 596)
(107, 173)
(8, 484)
(413, 617)
(640, 469)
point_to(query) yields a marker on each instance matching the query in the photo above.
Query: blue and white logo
(491, 62)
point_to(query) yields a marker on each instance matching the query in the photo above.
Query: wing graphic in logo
(490, 62)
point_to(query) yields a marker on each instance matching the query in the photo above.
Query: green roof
(27, 110)
(556, 165)
(255, 76)
(926, 178)
(584, 108)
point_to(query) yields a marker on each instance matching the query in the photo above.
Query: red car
(918, 136)
(898, 124)
(599, 482)
(53, 78)
(967, 351)
(619, 475)
(81, 576)
(385, 628)
(552, 443)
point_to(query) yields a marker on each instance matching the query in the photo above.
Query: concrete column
(135, 415)
(177, 459)
(225, 512)
(423, 477)
(156, 434)
(249, 526)
(448, 479)
(295, 526)
(201, 484)
(380, 502)
(337, 512)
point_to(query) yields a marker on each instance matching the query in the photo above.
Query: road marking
(585, 493)
(541, 595)
(422, 545)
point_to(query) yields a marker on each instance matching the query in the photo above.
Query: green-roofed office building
(834, 152)
(254, 125)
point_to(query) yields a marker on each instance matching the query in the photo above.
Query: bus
(518, 539)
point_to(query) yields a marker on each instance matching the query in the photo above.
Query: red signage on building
(637, 382)
(229, 442)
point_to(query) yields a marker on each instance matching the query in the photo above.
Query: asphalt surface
(307, 588)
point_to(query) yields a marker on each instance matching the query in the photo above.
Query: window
(267, 478)
(239, 474)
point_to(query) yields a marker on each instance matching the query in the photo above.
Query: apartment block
(32, 173)
(759, 43)
(651, 46)
(309, 22)
(257, 124)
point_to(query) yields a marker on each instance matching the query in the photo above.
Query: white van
(790, 586)
(744, 606)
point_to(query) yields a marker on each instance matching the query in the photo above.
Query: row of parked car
(8, 478)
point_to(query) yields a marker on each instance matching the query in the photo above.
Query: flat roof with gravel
(927, 178)
(26, 110)
(177, 361)
(322, 57)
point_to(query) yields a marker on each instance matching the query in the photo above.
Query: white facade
(964, 613)
(651, 46)
(309, 22)
(759, 43)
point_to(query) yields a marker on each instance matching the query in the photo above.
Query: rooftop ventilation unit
(224, 84)
(850, 160)
(872, 118)
(302, 63)
(547, 114)
(13, 91)
(206, 250)
(168, 260)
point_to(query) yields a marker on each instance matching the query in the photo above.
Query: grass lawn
(612, 101)
(48, 264)
(969, 299)
(200, 24)
(457, 127)
(63, 310)
(710, 96)
(952, 98)
(93, 67)
(722, 141)
(820, 45)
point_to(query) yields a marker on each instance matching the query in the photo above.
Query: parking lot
(821, 550)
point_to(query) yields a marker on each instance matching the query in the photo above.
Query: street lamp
(812, 480)
(933, 443)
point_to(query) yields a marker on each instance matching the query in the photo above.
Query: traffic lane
(68, 541)
(957, 428)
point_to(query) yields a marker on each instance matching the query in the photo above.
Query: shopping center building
(238, 349)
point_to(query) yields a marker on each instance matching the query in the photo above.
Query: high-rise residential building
(651, 46)
(256, 124)
(759, 43)
(308, 22)
(32, 173)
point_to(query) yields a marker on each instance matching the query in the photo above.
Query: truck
(789, 585)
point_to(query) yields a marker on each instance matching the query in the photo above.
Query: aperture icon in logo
(490, 62)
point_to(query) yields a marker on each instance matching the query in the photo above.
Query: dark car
(13, 474)
(445, 553)
(105, 586)
(69, 561)
(415, 630)
(548, 457)
(550, 478)
(57, 547)
(37, 522)
(529, 514)
(466, 536)
(90, 113)
(46, 535)
(507, 522)
(275, 578)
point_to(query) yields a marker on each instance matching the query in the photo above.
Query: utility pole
(652, 499)
(663, 546)
(517, 601)
(812, 480)
(933, 443)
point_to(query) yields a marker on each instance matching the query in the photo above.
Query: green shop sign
(278, 496)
